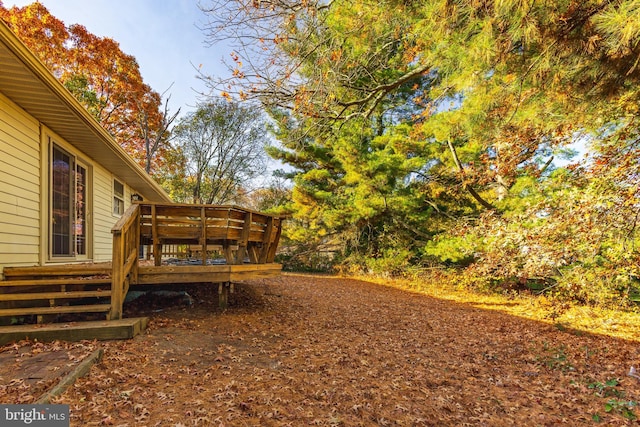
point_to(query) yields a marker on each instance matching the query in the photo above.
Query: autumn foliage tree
(102, 77)
(443, 131)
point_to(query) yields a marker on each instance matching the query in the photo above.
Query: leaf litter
(304, 350)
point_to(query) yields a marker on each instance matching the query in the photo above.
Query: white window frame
(118, 199)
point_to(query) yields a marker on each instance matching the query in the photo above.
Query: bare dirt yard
(303, 350)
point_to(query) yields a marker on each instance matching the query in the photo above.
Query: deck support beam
(224, 290)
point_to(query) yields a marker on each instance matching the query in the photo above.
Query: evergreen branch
(379, 92)
(467, 186)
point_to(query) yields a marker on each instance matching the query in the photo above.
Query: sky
(162, 35)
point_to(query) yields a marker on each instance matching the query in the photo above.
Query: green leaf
(612, 382)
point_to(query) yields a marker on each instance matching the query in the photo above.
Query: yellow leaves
(510, 78)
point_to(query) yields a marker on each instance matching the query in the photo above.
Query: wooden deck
(243, 242)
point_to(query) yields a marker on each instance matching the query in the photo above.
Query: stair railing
(126, 244)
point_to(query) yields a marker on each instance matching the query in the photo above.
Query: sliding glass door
(68, 201)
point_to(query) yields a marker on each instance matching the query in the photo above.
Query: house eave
(26, 81)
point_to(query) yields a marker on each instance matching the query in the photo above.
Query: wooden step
(76, 331)
(96, 308)
(54, 282)
(57, 270)
(54, 295)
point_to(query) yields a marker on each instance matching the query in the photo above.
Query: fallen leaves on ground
(302, 350)
(28, 369)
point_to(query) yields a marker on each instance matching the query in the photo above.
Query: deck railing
(126, 244)
(242, 236)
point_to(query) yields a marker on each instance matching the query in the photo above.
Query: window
(118, 198)
(68, 211)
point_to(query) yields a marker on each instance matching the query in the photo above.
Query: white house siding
(104, 219)
(19, 186)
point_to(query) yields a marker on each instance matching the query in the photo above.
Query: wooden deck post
(254, 256)
(136, 244)
(266, 241)
(117, 279)
(157, 246)
(243, 243)
(223, 294)
(273, 246)
(227, 246)
(203, 235)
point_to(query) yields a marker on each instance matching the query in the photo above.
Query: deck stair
(49, 292)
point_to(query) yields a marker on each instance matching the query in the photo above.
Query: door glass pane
(61, 199)
(80, 225)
